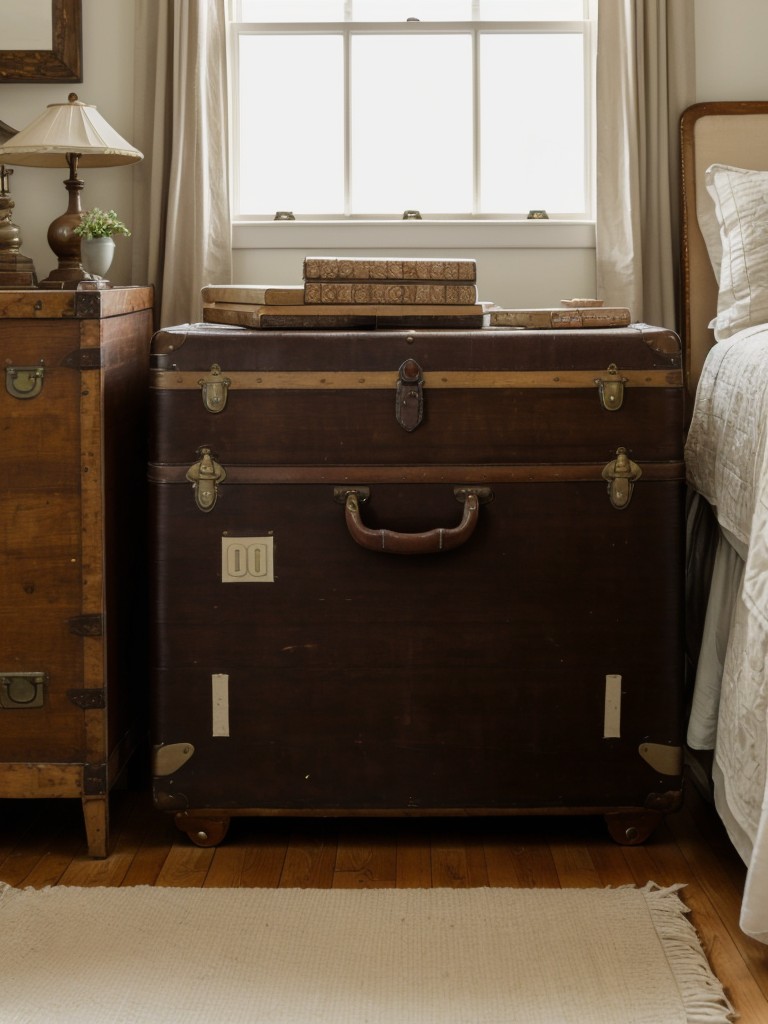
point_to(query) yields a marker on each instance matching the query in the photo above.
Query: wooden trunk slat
(349, 380)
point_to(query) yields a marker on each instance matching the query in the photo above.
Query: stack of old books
(341, 292)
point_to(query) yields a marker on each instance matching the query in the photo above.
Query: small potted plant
(97, 247)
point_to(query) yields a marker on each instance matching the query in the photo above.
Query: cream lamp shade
(73, 135)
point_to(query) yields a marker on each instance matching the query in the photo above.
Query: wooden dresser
(72, 541)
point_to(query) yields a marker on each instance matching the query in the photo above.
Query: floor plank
(311, 856)
(366, 856)
(518, 854)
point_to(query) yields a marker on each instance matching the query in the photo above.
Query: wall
(734, 31)
(521, 273)
(107, 83)
(730, 50)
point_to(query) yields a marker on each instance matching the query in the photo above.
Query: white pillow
(741, 207)
(710, 229)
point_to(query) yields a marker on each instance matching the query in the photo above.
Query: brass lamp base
(17, 271)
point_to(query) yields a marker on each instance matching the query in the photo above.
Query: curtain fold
(645, 79)
(183, 233)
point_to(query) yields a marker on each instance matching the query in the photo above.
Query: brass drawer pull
(22, 689)
(24, 381)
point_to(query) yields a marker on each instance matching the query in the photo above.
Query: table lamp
(73, 135)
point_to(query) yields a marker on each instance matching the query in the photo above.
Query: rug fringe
(703, 996)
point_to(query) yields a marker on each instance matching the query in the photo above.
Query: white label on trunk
(220, 704)
(612, 722)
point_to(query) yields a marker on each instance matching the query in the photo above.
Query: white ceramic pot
(96, 254)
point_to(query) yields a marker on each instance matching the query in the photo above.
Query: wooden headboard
(727, 133)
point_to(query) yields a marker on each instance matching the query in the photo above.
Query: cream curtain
(645, 79)
(182, 236)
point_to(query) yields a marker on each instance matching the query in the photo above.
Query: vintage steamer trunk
(72, 511)
(416, 572)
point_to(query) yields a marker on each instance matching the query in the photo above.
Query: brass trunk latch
(24, 381)
(214, 389)
(206, 474)
(611, 390)
(621, 474)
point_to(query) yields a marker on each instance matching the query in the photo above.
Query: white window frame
(478, 231)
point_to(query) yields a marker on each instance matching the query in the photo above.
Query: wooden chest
(416, 572)
(72, 585)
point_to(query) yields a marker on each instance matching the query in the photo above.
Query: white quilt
(727, 463)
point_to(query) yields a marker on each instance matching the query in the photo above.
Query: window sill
(414, 234)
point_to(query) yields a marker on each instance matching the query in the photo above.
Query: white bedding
(727, 463)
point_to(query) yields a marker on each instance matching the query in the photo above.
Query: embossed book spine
(559, 319)
(364, 268)
(389, 292)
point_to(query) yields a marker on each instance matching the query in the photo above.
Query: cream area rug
(147, 955)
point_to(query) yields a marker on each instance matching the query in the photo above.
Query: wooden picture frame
(62, 63)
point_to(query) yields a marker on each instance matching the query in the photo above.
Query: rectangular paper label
(247, 560)
(612, 723)
(220, 704)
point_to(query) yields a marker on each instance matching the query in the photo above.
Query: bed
(725, 328)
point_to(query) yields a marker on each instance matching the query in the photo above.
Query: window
(460, 109)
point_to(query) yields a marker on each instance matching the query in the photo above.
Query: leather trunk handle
(429, 542)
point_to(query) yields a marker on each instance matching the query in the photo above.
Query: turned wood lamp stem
(61, 237)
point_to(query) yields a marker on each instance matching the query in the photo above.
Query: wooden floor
(43, 844)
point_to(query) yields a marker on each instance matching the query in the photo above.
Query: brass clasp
(214, 389)
(611, 390)
(621, 474)
(205, 475)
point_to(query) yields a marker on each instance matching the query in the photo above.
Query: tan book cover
(248, 316)
(390, 292)
(445, 321)
(326, 317)
(259, 294)
(538, 319)
(365, 268)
